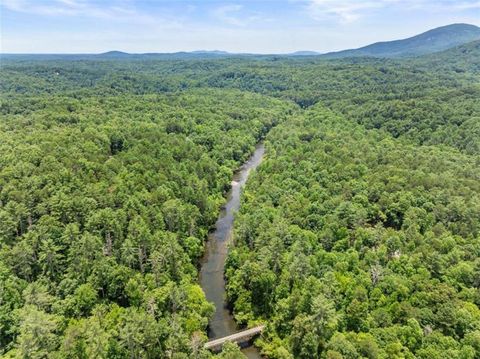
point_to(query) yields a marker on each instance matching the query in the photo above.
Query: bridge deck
(236, 338)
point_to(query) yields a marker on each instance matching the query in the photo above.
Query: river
(212, 269)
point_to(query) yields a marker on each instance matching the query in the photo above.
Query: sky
(264, 26)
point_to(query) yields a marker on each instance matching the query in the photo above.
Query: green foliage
(105, 207)
(357, 237)
(370, 245)
(230, 351)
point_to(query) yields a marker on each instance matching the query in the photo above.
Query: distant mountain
(158, 55)
(114, 54)
(439, 39)
(432, 41)
(304, 53)
(210, 52)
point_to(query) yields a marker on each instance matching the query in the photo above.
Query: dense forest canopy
(354, 244)
(429, 100)
(105, 205)
(358, 235)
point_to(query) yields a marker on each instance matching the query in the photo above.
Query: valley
(150, 203)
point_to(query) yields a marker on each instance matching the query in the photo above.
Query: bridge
(239, 338)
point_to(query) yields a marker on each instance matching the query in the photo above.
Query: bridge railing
(240, 337)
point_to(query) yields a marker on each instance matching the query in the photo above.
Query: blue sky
(268, 26)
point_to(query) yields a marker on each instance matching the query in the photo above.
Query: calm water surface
(211, 273)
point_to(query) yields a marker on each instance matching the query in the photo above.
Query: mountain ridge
(431, 41)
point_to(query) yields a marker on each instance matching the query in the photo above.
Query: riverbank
(211, 277)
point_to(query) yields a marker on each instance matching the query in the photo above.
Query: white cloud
(119, 11)
(466, 5)
(229, 14)
(235, 15)
(159, 26)
(52, 8)
(348, 11)
(345, 10)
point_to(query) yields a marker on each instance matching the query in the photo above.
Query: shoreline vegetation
(357, 237)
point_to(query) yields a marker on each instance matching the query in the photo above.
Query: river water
(212, 269)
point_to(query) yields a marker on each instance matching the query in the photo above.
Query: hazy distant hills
(114, 54)
(432, 41)
(304, 53)
(435, 40)
(197, 53)
(181, 54)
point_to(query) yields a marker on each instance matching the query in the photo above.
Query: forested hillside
(352, 244)
(358, 236)
(105, 203)
(429, 100)
(432, 41)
